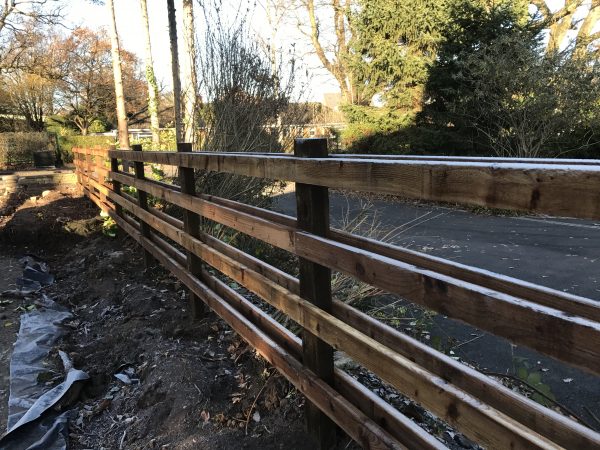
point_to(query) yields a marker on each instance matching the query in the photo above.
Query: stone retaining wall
(36, 179)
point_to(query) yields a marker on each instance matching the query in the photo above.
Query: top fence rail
(567, 190)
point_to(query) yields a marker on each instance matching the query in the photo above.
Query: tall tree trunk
(337, 66)
(175, 69)
(588, 32)
(116, 62)
(189, 72)
(151, 80)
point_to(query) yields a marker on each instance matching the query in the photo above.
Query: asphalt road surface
(563, 254)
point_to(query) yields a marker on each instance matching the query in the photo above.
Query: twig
(467, 342)
(122, 441)
(206, 358)
(254, 403)
(525, 383)
(395, 318)
(379, 308)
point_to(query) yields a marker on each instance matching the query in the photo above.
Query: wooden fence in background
(561, 325)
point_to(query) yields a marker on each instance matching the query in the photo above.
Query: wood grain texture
(540, 188)
(569, 303)
(334, 250)
(191, 225)
(547, 422)
(116, 186)
(553, 425)
(312, 210)
(273, 233)
(142, 199)
(390, 419)
(522, 322)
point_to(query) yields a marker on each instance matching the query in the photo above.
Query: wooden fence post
(312, 206)
(143, 203)
(191, 225)
(114, 167)
(88, 167)
(78, 170)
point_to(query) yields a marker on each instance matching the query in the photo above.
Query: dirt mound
(51, 222)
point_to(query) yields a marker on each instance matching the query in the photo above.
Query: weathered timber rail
(561, 325)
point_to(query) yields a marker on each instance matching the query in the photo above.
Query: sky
(83, 13)
(129, 25)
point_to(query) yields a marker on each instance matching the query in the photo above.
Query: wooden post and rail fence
(560, 325)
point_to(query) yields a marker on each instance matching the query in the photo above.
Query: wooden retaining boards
(280, 236)
(545, 421)
(484, 159)
(493, 311)
(574, 340)
(94, 151)
(441, 158)
(569, 303)
(475, 419)
(554, 426)
(540, 188)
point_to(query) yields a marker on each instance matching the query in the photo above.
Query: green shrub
(167, 141)
(97, 126)
(67, 141)
(17, 149)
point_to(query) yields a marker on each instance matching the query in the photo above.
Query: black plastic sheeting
(37, 419)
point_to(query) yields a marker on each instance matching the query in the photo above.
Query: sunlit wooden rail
(563, 326)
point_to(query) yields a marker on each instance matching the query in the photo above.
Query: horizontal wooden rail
(440, 158)
(561, 325)
(539, 188)
(547, 422)
(483, 159)
(554, 426)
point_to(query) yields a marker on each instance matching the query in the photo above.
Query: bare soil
(184, 384)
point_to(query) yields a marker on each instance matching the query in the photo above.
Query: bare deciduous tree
(190, 82)
(150, 79)
(15, 14)
(175, 70)
(31, 97)
(117, 72)
(576, 17)
(20, 22)
(334, 56)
